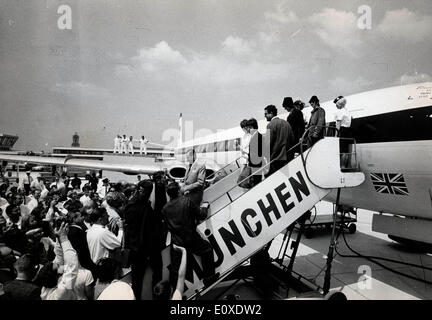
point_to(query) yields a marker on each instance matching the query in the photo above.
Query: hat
(105, 180)
(288, 103)
(314, 99)
(337, 99)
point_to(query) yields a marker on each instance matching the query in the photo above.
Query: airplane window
(209, 147)
(221, 146)
(200, 148)
(231, 145)
(238, 144)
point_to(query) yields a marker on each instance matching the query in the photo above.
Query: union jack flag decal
(390, 183)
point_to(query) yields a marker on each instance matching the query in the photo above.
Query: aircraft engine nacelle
(177, 171)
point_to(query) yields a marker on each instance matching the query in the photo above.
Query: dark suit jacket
(317, 122)
(281, 139)
(78, 239)
(142, 229)
(255, 150)
(22, 290)
(296, 121)
(181, 216)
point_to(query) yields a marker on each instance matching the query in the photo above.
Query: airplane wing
(127, 168)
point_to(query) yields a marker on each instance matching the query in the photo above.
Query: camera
(58, 222)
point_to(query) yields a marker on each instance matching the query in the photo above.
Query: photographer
(65, 264)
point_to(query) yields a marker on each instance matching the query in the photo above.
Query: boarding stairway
(241, 221)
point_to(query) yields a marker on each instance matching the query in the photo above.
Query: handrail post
(327, 277)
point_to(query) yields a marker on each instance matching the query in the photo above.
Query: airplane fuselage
(392, 129)
(398, 179)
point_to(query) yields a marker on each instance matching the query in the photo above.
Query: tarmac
(358, 278)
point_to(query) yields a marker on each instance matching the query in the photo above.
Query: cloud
(281, 15)
(162, 55)
(162, 62)
(406, 25)
(237, 46)
(413, 78)
(336, 28)
(125, 71)
(83, 89)
(268, 38)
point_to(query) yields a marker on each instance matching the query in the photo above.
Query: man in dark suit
(255, 153)
(295, 119)
(143, 237)
(281, 138)
(181, 217)
(77, 235)
(317, 122)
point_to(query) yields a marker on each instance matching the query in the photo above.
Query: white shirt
(36, 185)
(25, 211)
(143, 141)
(116, 141)
(83, 280)
(85, 200)
(117, 290)
(100, 240)
(33, 203)
(244, 147)
(3, 205)
(344, 117)
(27, 179)
(60, 185)
(112, 213)
(44, 193)
(102, 191)
(67, 259)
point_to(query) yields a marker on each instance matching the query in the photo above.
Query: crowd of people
(123, 144)
(72, 239)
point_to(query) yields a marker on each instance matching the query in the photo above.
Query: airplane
(392, 128)
(393, 148)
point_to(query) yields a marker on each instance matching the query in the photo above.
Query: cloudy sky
(132, 66)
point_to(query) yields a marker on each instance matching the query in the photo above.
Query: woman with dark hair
(244, 143)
